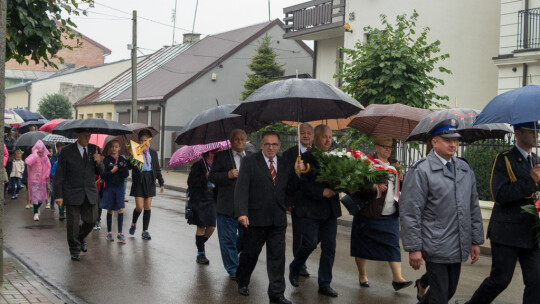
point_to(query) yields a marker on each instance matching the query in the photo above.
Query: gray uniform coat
(440, 215)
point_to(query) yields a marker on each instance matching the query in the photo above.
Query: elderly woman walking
(375, 230)
(39, 170)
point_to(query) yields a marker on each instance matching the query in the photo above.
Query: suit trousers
(296, 231)
(503, 261)
(443, 280)
(77, 232)
(313, 232)
(254, 240)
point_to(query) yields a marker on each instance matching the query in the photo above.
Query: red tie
(273, 171)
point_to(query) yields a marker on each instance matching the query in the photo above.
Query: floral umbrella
(190, 153)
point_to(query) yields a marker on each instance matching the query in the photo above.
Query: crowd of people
(433, 209)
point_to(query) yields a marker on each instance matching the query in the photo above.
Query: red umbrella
(51, 124)
(98, 139)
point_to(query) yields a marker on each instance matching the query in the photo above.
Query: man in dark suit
(306, 139)
(514, 183)
(224, 174)
(74, 185)
(259, 203)
(318, 209)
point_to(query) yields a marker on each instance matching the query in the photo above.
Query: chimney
(191, 37)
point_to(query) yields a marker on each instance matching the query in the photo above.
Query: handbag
(353, 203)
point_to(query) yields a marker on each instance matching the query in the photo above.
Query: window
(99, 115)
(90, 115)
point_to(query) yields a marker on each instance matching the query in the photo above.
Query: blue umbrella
(27, 115)
(513, 107)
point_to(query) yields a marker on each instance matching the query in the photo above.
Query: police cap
(531, 125)
(446, 128)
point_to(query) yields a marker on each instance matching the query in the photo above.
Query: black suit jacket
(75, 178)
(255, 194)
(508, 224)
(312, 203)
(156, 170)
(219, 175)
(291, 155)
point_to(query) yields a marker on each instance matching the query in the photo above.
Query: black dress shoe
(421, 289)
(303, 271)
(84, 246)
(293, 277)
(327, 291)
(280, 300)
(62, 217)
(75, 257)
(232, 276)
(400, 285)
(243, 291)
(364, 284)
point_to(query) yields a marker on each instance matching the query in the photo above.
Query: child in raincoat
(39, 169)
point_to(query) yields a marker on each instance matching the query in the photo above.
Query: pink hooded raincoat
(39, 170)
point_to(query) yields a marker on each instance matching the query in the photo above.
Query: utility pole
(3, 26)
(134, 111)
(174, 21)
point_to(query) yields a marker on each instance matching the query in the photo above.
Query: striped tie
(273, 171)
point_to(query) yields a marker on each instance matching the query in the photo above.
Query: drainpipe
(29, 94)
(162, 106)
(524, 76)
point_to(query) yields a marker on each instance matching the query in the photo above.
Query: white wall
(468, 31)
(96, 77)
(202, 93)
(327, 53)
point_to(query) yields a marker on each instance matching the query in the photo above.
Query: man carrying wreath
(318, 210)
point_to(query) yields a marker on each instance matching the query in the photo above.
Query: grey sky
(109, 22)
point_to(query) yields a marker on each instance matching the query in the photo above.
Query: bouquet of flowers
(349, 170)
(535, 211)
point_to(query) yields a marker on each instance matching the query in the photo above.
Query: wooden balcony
(312, 19)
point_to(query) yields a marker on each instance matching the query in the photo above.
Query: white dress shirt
(238, 158)
(268, 162)
(81, 149)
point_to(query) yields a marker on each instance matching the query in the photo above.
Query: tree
(264, 66)
(32, 28)
(55, 106)
(394, 66)
(265, 69)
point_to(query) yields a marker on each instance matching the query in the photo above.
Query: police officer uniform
(509, 229)
(440, 216)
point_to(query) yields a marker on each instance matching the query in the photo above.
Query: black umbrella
(215, 125)
(93, 125)
(7, 128)
(25, 127)
(298, 100)
(465, 118)
(29, 139)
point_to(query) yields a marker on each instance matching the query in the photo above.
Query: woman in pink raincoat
(39, 169)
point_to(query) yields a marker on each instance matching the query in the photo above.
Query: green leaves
(264, 67)
(394, 65)
(32, 31)
(55, 106)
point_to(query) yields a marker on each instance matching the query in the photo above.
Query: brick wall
(86, 54)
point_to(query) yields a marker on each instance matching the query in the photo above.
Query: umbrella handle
(308, 167)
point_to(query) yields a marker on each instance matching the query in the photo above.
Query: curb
(51, 286)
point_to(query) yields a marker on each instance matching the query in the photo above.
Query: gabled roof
(169, 70)
(106, 51)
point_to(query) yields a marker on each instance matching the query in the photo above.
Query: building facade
(467, 30)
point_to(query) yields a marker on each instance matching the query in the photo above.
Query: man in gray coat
(441, 221)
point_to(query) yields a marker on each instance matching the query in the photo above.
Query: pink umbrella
(98, 139)
(188, 153)
(51, 124)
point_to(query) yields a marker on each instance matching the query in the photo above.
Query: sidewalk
(21, 286)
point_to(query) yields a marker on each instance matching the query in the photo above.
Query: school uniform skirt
(376, 239)
(113, 198)
(146, 188)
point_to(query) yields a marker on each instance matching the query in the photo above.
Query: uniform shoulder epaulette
(416, 163)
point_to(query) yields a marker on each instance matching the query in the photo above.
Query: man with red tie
(260, 204)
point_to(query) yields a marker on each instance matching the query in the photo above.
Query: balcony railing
(313, 16)
(528, 29)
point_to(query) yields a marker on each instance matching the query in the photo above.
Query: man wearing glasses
(318, 210)
(259, 201)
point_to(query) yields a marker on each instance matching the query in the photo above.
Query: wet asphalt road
(163, 270)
